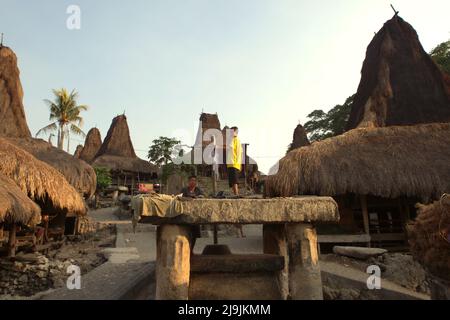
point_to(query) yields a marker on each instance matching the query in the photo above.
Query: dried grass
(412, 161)
(15, 206)
(41, 182)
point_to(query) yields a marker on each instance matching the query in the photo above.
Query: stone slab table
(290, 247)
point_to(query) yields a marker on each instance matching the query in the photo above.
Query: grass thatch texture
(116, 163)
(92, 145)
(78, 151)
(77, 172)
(400, 83)
(15, 206)
(118, 140)
(428, 237)
(40, 181)
(12, 115)
(387, 162)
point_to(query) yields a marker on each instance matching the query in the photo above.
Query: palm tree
(65, 113)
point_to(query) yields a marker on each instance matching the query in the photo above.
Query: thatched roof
(210, 121)
(400, 83)
(117, 152)
(116, 163)
(40, 181)
(15, 206)
(78, 151)
(12, 115)
(299, 139)
(13, 125)
(92, 145)
(118, 140)
(429, 237)
(77, 172)
(387, 162)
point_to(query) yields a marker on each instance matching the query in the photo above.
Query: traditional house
(211, 134)
(117, 154)
(376, 175)
(15, 209)
(45, 185)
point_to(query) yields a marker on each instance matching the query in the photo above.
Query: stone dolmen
(287, 269)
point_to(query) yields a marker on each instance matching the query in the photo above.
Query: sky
(262, 65)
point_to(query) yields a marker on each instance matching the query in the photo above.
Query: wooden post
(365, 214)
(215, 234)
(173, 262)
(305, 281)
(214, 181)
(12, 241)
(275, 242)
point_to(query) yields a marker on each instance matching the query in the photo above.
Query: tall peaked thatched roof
(13, 125)
(117, 152)
(41, 182)
(77, 172)
(118, 140)
(388, 162)
(15, 206)
(400, 83)
(299, 139)
(210, 121)
(78, 150)
(12, 114)
(92, 145)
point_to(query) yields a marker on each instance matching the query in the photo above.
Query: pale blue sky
(262, 65)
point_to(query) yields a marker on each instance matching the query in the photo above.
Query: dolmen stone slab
(361, 253)
(235, 211)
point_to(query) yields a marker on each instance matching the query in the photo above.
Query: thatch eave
(76, 171)
(40, 181)
(389, 162)
(15, 206)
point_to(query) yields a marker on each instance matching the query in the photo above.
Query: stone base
(234, 286)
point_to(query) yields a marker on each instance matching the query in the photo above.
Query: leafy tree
(65, 113)
(441, 55)
(162, 150)
(104, 179)
(323, 125)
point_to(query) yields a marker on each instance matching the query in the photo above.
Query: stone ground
(32, 273)
(114, 262)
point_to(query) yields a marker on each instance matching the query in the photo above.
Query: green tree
(65, 114)
(323, 125)
(104, 179)
(162, 150)
(441, 55)
(162, 153)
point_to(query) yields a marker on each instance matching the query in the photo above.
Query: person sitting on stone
(192, 191)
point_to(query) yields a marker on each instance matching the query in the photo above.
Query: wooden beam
(365, 213)
(388, 237)
(12, 241)
(344, 238)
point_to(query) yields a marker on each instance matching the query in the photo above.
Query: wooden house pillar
(12, 241)
(365, 214)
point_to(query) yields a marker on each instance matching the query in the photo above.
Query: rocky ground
(399, 268)
(31, 273)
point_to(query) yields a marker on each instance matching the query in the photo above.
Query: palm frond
(51, 127)
(76, 130)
